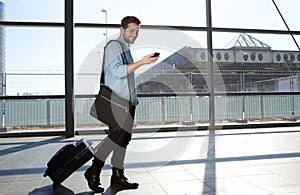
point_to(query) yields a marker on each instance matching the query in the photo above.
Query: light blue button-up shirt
(116, 71)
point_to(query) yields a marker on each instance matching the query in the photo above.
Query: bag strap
(124, 60)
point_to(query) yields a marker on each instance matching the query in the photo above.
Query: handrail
(32, 24)
(183, 28)
(200, 94)
(32, 97)
(191, 28)
(219, 94)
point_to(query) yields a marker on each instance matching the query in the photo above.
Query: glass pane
(290, 12)
(156, 12)
(257, 62)
(88, 54)
(255, 14)
(254, 108)
(34, 10)
(89, 44)
(172, 45)
(40, 113)
(34, 61)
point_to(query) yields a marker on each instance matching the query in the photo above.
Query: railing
(49, 111)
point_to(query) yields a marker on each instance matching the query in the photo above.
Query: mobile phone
(155, 54)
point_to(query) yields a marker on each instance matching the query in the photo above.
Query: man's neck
(121, 39)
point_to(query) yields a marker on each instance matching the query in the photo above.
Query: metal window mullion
(210, 66)
(69, 69)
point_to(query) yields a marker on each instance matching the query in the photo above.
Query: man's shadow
(62, 190)
(58, 190)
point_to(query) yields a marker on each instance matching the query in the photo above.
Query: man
(119, 77)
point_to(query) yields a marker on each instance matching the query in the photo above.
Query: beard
(129, 40)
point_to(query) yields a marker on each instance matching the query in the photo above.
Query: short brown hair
(129, 19)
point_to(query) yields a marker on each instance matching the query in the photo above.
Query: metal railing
(154, 109)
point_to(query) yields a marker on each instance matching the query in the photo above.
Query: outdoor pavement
(239, 161)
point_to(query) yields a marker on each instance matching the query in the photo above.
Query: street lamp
(103, 10)
(99, 59)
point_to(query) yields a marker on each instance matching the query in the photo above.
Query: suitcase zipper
(119, 105)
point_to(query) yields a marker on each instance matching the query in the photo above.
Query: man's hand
(148, 59)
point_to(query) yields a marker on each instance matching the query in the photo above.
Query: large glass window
(255, 62)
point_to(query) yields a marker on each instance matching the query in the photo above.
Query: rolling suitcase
(67, 160)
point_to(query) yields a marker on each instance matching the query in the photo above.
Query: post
(292, 89)
(210, 67)
(69, 69)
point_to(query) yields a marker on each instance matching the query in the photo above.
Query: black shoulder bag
(111, 109)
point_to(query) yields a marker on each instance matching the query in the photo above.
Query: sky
(41, 50)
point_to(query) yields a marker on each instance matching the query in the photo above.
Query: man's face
(130, 33)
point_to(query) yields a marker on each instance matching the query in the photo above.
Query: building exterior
(247, 65)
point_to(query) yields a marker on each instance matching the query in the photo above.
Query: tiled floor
(247, 161)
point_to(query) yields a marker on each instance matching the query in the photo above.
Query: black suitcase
(67, 160)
